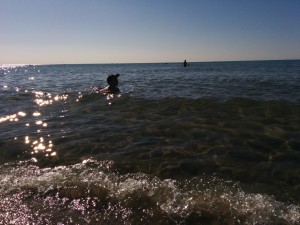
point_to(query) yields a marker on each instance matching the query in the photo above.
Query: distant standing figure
(113, 82)
(184, 63)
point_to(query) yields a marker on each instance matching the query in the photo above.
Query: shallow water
(92, 192)
(213, 143)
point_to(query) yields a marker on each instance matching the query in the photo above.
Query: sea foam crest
(93, 191)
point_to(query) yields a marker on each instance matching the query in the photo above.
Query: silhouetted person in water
(113, 82)
(184, 63)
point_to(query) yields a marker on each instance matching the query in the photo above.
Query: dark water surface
(213, 143)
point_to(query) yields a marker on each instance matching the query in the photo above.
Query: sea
(210, 143)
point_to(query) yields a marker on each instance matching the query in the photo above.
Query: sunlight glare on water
(13, 117)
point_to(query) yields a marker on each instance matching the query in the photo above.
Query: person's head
(112, 80)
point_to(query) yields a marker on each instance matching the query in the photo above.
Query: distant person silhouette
(113, 82)
(185, 63)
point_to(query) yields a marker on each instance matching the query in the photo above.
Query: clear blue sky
(117, 31)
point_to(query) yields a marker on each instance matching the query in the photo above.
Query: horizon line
(161, 62)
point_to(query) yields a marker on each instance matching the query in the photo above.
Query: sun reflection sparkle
(36, 114)
(40, 146)
(79, 96)
(44, 98)
(13, 117)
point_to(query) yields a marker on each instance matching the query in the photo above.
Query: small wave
(92, 192)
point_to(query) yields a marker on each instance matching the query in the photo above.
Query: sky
(146, 31)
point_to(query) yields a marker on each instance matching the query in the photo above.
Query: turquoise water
(213, 143)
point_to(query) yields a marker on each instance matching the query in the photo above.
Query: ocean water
(212, 143)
